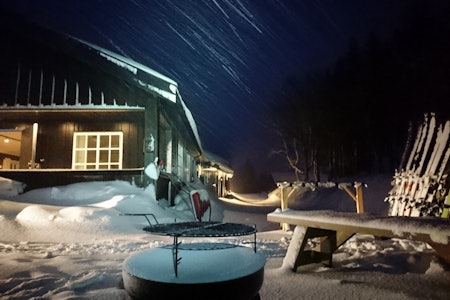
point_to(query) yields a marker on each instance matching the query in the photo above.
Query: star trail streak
(230, 58)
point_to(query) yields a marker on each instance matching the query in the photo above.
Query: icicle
(17, 84)
(65, 92)
(77, 93)
(40, 87)
(53, 91)
(30, 74)
(103, 98)
(90, 95)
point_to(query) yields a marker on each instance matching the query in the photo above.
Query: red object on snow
(200, 206)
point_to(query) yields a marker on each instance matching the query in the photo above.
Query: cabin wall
(66, 86)
(55, 142)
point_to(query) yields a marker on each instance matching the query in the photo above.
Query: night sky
(231, 59)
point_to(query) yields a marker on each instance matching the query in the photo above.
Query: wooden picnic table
(335, 228)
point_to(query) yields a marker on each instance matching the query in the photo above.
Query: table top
(201, 229)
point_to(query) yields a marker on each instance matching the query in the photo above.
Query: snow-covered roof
(216, 161)
(190, 120)
(169, 91)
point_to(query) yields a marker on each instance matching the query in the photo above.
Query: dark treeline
(246, 180)
(354, 117)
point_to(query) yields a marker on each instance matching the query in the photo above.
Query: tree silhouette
(355, 116)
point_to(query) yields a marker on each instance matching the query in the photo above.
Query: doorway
(18, 147)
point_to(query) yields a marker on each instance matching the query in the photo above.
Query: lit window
(97, 150)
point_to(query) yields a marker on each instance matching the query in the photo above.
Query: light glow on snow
(62, 243)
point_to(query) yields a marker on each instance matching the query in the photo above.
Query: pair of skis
(420, 156)
(407, 180)
(419, 189)
(431, 199)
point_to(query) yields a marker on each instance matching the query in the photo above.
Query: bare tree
(291, 152)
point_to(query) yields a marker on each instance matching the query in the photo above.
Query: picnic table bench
(334, 228)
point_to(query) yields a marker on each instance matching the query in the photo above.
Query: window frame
(83, 151)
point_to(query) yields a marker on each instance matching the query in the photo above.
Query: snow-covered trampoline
(196, 270)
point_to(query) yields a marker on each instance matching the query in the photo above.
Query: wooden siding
(69, 86)
(55, 137)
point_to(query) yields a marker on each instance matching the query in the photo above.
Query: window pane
(92, 141)
(114, 156)
(115, 141)
(104, 141)
(90, 167)
(103, 158)
(103, 167)
(79, 156)
(81, 141)
(114, 167)
(91, 156)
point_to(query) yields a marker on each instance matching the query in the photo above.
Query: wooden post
(32, 164)
(284, 202)
(357, 196)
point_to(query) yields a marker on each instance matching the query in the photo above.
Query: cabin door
(18, 148)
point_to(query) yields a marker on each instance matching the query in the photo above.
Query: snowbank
(71, 242)
(91, 210)
(9, 187)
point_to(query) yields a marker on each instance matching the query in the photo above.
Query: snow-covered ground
(70, 243)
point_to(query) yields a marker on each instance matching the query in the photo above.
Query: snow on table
(427, 229)
(338, 227)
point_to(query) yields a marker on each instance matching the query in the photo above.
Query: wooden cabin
(73, 111)
(215, 173)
